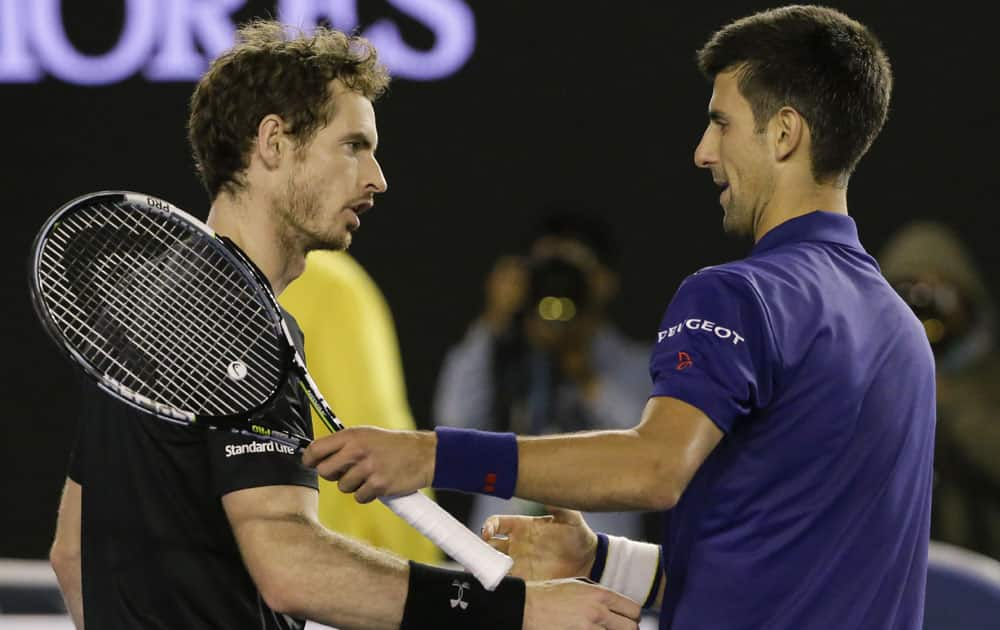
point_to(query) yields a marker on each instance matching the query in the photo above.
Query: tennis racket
(176, 321)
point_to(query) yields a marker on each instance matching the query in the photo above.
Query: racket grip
(472, 552)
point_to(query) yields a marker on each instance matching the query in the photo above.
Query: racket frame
(244, 422)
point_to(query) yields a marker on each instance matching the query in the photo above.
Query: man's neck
(257, 231)
(791, 202)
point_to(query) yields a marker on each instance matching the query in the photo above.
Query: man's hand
(575, 604)
(372, 462)
(544, 547)
(506, 287)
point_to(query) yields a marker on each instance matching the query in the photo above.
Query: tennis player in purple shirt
(790, 430)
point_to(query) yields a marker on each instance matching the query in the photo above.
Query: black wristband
(440, 598)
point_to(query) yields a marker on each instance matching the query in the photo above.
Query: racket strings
(121, 309)
(93, 333)
(99, 299)
(160, 310)
(186, 277)
(155, 274)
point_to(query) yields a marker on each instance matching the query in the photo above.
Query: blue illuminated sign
(173, 40)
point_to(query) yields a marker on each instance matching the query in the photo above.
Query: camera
(559, 289)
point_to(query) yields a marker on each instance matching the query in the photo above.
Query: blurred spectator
(354, 358)
(932, 271)
(542, 357)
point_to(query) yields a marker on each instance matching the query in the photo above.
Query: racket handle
(472, 552)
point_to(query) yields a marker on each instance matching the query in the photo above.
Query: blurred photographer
(934, 274)
(542, 357)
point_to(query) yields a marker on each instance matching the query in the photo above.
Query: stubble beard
(738, 222)
(741, 216)
(300, 208)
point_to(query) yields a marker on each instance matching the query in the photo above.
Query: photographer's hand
(506, 287)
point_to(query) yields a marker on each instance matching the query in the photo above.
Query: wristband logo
(699, 325)
(457, 602)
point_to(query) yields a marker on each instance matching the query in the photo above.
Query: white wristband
(631, 568)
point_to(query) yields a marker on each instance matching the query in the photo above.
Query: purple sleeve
(714, 349)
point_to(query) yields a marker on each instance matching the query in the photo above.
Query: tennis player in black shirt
(165, 527)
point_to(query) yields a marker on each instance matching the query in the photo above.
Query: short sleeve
(238, 462)
(76, 455)
(714, 349)
(91, 411)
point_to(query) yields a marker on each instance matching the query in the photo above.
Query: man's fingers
(352, 479)
(500, 544)
(623, 606)
(503, 525)
(489, 528)
(366, 493)
(614, 621)
(322, 448)
(562, 515)
(335, 466)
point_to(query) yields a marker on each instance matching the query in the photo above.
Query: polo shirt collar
(816, 226)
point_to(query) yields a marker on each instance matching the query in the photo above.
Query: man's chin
(732, 225)
(332, 244)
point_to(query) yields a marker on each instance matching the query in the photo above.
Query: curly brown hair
(270, 70)
(830, 68)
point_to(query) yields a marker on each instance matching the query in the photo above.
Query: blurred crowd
(935, 274)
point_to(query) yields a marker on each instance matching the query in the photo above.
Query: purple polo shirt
(813, 512)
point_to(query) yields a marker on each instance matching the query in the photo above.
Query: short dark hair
(828, 67)
(272, 70)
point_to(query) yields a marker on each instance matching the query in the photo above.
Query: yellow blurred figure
(353, 355)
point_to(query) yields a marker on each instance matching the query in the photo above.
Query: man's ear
(789, 132)
(272, 141)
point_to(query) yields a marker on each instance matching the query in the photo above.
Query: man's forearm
(68, 573)
(645, 468)
(65, 554)
(305, 570)
(597, 470)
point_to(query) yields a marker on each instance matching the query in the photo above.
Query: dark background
(561, 100)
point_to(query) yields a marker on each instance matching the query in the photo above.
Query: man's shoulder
(739, 276)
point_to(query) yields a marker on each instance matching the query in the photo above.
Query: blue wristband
(476, 461)
(600, 558)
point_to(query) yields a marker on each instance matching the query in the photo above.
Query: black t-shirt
(158, 550)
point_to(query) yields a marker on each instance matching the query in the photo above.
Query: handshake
(554, 554)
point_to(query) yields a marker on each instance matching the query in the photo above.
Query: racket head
(161, 312)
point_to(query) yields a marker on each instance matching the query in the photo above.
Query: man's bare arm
(645, 468)
(304, 570)
(65, 553)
